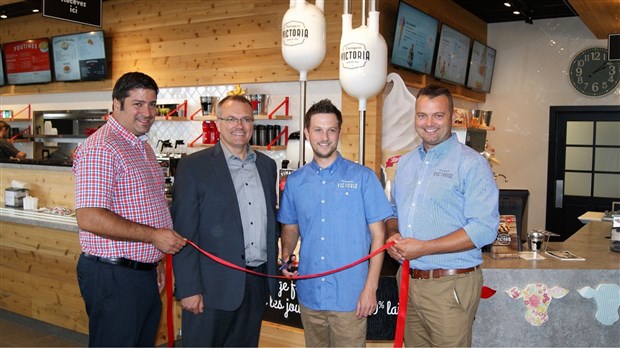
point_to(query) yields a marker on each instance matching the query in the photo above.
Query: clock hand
(603, 66)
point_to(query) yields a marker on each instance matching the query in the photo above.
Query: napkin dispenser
(14, 196)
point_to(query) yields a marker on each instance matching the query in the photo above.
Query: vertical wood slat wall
(212, 42)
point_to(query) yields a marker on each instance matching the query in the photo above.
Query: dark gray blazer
(205, 211)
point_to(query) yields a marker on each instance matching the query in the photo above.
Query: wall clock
(591, 74)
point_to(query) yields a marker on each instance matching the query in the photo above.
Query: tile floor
(19, 331)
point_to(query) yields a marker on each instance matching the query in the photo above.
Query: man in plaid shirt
(124, 220)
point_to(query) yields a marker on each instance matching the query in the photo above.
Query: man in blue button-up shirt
(338, 208)
(446, 206)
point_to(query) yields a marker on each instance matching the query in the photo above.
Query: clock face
(592, 74)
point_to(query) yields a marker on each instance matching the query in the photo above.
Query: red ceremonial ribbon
(403, 294)
(402, 306)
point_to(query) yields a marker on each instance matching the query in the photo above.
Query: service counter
(38, 255)
(501, 319)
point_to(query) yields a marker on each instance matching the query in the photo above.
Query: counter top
(33, 164)
(591, 242)
(20, 216)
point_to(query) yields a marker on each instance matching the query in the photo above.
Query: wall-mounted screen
(1, 68)
(481, 66)
(414, 39)
(28, 62)
(79, 57)
(452, 55)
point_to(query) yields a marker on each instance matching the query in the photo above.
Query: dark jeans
(123, 304)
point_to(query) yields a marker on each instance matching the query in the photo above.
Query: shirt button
(322, 257)
(323, 182)
(322, 238)
(346, 193)
(322, 220)
(322, 201)
(408, 226)
(419, 182)
(322, 279)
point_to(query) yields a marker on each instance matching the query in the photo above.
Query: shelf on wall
(256, 118)
(255, 147)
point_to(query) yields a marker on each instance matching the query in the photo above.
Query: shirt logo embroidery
(443, 173)
(347, 184)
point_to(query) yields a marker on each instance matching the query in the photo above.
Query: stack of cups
(31, 203)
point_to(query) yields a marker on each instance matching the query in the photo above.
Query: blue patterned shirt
(440, 191)
(333, 207)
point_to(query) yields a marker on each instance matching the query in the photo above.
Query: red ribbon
(403, 294)
(307, 276)
(402, 307)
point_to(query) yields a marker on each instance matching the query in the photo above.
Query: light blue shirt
(437, 192)
(333, 207)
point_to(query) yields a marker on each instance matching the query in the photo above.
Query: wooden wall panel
(53, 188)
(213, 42)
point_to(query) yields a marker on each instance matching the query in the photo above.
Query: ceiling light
(3, 15)
(516, 12)
(35, 8)
(507, 4)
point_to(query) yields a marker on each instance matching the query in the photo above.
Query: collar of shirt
(331, 169)
(251, 155)
(125, 134)
(440, 149)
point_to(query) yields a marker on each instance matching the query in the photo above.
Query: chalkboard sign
(284, 308)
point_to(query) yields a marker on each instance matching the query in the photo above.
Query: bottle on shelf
(206, 130)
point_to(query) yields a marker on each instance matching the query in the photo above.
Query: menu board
(1, 69)
(414, 39)
(28, 62)
(481, 66)
(452, 55)
(79, 57)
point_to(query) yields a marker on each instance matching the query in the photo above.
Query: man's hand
(168, 241)
(194, 304)
(410, 248)
(288, 273)
(161, 276)
(392, 251)
(366, 303)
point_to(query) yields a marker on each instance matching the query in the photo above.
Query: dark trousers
(238, 328)
(123, 304)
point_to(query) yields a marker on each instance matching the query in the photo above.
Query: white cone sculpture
(303, 36)
(363, 57)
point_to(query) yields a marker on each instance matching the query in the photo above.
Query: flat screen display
(414, 39)
(481, 66)
(28, 62)
(1, 68)
(452, 56)
(79, 57)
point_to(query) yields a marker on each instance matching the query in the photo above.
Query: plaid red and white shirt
(118, 171)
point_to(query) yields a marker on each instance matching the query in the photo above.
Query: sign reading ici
(79, 11)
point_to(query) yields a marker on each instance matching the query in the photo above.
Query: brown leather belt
(438, 273)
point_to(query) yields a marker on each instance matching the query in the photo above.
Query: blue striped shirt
(440, 191)
(333, 207)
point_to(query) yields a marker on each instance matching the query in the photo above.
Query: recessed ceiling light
(35, 10)
(516, 12)
(3, 16)
(507, 4)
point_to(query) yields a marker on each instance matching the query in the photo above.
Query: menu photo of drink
(79, 57)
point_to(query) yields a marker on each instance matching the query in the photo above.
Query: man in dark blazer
(224, 200)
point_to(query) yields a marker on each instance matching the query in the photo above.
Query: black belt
(255, 268)
(438, 273)
(119, 261)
